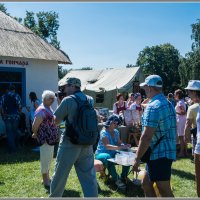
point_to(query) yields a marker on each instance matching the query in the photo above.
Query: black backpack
(83, 130)
(10, 105)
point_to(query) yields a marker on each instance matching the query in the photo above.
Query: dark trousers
(12, 134)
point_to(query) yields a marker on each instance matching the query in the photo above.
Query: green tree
(3, 9)
(162, 60)
(44, 24)
(189, 68)
(196, 35)
(86, 68)
(62, 72)
(129, 65)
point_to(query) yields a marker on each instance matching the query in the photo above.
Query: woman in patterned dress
(46, 133)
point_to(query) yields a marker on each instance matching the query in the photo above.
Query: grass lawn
(20, 177)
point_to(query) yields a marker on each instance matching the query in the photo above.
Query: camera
(60, 93)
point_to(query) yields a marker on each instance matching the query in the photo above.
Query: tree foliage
(195, 35)
(86, 68)
(162, 60)
(62, 72)
(129, 65)
(44, 24)
(189, 68)
(4, 9)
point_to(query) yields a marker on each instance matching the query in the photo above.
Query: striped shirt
(160, 114)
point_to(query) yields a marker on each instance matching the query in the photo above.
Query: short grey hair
(48, 94)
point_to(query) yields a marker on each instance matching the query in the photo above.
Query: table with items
(126, 158)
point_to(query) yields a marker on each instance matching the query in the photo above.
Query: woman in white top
(136, 109)
(35, 102)
(181, 120)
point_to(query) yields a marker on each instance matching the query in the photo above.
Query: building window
(99, 98)
(16, 77)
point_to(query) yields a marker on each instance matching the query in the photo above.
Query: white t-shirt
(136, 112)
(198, 126)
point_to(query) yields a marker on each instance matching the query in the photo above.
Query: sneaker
(120, 184)
(136, 181)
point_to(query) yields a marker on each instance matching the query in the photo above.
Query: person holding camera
(158, 133)
(193, 121)
(69, 154)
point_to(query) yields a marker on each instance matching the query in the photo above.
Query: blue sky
(111, 35)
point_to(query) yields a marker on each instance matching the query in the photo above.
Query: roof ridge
(30, 32)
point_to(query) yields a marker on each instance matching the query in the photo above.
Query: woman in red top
(120, 105)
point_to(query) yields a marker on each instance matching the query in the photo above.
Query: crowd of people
(164, 122)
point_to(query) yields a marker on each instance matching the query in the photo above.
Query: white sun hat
(193, 85)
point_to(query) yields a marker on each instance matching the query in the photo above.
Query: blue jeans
(82, 158)
(103, 157)
(12, 134)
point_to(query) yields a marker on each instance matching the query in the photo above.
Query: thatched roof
(18, 41)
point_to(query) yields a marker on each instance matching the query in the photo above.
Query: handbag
(146, 157)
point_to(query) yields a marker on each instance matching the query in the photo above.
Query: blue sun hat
(112, 118)
(136, 95)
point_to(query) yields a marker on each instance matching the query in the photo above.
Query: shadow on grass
(2, 183)
(130, 191)
(66, 193)
(183, 174)
(71, 193)
(24, 154)
(106, 193)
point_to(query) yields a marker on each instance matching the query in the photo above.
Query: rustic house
(26, 60)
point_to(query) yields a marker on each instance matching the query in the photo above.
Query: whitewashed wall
(40, 76)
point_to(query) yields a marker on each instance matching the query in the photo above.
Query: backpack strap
(79, 100)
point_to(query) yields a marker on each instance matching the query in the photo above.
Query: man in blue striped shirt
(158, 122)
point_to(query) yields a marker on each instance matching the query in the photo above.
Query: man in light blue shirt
(158, 122)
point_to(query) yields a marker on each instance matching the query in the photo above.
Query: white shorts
(46, 156)
(197, 149)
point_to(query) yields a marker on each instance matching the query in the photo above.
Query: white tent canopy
(106, 79)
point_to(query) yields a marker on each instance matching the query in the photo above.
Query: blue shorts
(159, 170)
